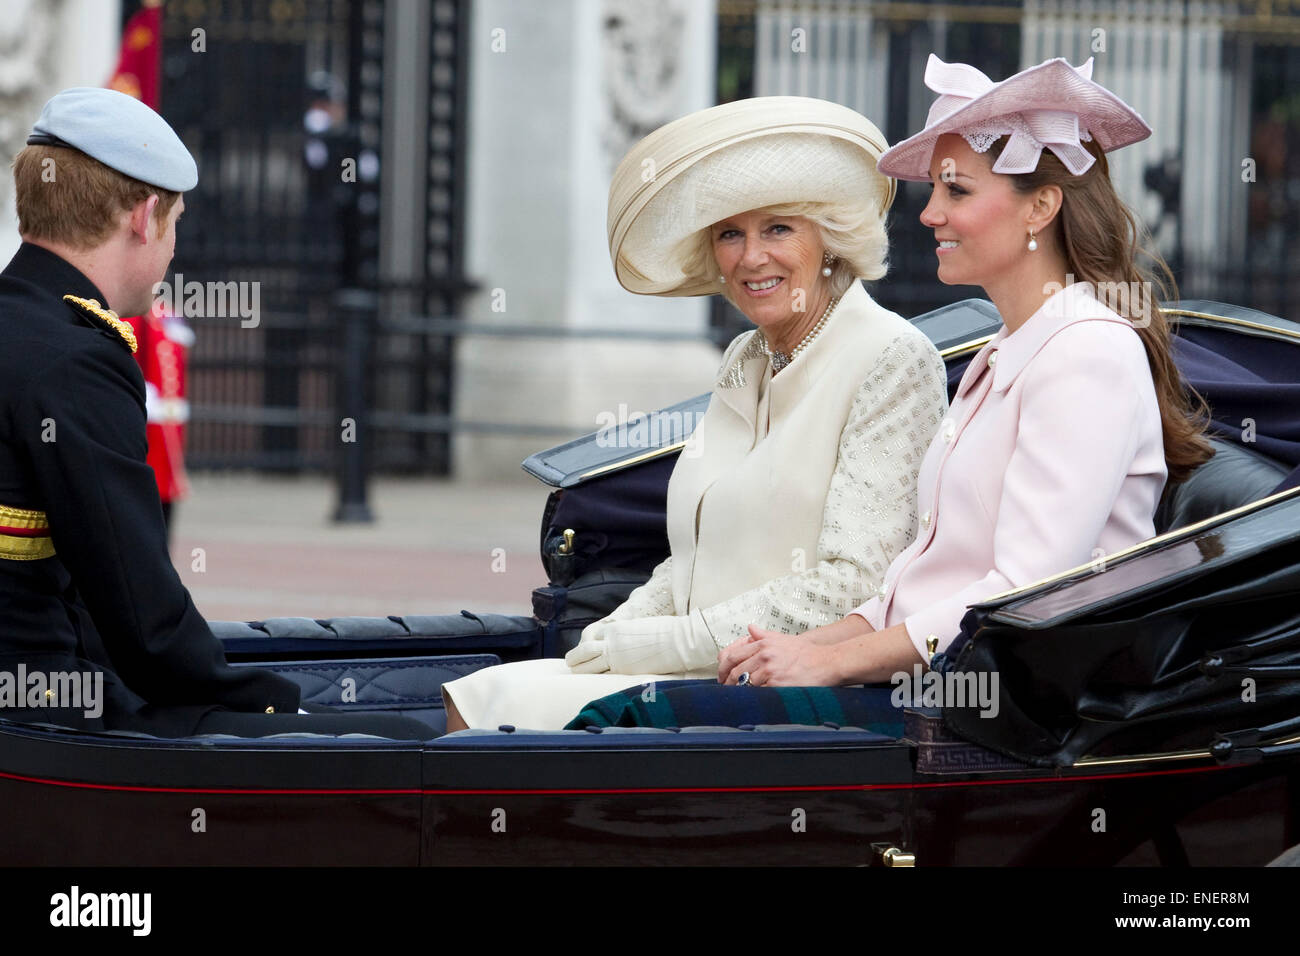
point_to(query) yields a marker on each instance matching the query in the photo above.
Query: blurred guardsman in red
(163, 339)
(87, 587)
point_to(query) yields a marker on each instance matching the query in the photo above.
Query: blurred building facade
(36, 37)
(417, 187)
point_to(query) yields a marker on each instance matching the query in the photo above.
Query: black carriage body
(780, 795)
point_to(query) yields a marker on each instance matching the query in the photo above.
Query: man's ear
(142, 216)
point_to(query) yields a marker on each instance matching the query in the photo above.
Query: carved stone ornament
(643, 42)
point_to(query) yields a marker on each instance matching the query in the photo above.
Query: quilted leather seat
(410, 686)
(1235, 476)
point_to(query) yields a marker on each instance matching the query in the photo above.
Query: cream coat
(793, 497)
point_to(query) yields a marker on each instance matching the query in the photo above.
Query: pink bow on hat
(1031, 129)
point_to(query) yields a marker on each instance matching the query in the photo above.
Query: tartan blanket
(705, 703)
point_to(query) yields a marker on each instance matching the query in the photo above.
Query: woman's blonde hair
(854, 235)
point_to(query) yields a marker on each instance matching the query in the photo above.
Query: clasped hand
(773, 659)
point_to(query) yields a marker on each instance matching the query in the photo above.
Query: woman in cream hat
(1066, 425)
(800, 488)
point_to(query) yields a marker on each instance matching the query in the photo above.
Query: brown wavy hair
(1104, 245)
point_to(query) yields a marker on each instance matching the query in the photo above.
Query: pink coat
(1050, 457)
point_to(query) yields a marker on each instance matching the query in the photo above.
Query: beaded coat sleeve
(651, 599)
(870, 512)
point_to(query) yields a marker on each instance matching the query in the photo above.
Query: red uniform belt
(24, 534)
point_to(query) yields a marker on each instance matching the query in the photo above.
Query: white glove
(588, 657)
(667, 644)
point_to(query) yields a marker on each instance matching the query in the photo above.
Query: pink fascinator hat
(1050, 106)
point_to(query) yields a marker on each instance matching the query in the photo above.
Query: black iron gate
(283, 106)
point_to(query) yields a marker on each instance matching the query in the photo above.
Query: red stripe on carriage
(560, 792)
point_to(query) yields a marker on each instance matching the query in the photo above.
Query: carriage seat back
(1235, 476)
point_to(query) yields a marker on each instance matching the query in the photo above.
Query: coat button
(993, 359)
(925, 520)
(949, 430)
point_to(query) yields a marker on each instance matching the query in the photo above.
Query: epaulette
(106, 318)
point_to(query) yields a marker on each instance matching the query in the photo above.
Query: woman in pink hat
(1066, 426)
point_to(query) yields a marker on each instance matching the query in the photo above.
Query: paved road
(252, 547)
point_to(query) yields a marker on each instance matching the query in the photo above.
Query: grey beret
(120, 132)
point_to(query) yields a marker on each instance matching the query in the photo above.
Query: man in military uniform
(86, 583)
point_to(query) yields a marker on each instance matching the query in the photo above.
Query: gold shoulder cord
(107, 316)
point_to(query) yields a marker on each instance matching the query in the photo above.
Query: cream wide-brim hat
(1053, 90)
(729, 159)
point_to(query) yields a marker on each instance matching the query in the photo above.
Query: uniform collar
(1073, 304)
(51, 273)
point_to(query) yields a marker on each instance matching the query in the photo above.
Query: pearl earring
(1033, 243)
(722, 279)
(826, 269)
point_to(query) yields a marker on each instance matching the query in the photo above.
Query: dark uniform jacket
(72, 459)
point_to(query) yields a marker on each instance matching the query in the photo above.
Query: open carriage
(1150, 703)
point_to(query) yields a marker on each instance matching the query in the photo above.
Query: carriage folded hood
(1157, 564)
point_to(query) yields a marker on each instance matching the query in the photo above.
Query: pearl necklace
(778, 358)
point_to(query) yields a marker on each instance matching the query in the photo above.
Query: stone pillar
(558, 92)
(46, 46)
